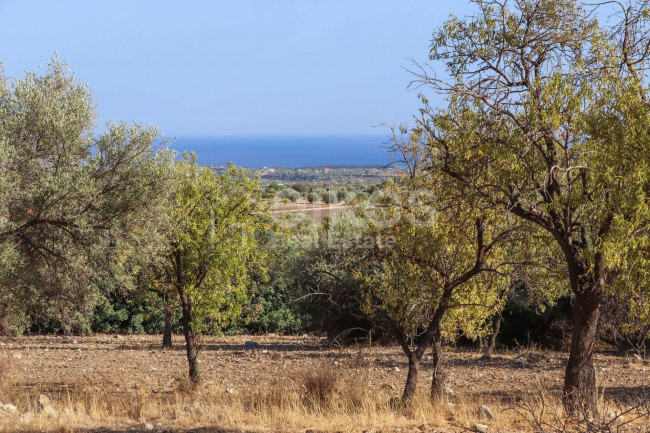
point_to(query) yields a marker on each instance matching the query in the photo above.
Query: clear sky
(242, 67)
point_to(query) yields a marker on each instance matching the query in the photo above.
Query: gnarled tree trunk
(580, 377)
(412, 377)
(492, 343)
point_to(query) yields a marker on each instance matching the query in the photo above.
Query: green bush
(272, 190)
(301, 187)
(290, 194)
(273, 311)
(329, 197)
(313, 197)
(359, 197)
(126, 313)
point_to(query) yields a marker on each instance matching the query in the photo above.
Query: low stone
(521, 360)
(17, 356)
(44, 404)
(481, 428)
(9, 408)
(147, 426)
(395, 368)
(486, 412)
(448, 390)
(231, 391)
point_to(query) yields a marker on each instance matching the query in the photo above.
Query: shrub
(329, 197)
(290, 194)
(319, 386)
(313, 197)
(273, 311)
(360, 197)
(301, 188)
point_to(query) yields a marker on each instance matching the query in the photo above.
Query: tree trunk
(190, 338)
(412, 378)
(167, 333)
(439, 377)
(580, 379)
(492, 343)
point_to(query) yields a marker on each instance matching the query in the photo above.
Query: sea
(290, 152)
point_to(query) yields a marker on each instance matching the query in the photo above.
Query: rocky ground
(53, 366)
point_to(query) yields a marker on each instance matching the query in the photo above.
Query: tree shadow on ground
(628, 395)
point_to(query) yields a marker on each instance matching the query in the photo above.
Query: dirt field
(317, 211)
(128, 382)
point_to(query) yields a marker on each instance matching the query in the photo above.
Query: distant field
(288, 384)
(317, 211)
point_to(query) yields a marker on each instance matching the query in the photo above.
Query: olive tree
(74, 205)
(547, 119)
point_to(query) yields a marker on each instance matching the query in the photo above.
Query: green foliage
(430, 256)
(213, 244)
(290, 194)
(273, 310)
(559, 148)
(302, 188)
(313, 197)
(547, 120)
(272, 190)
(73, 206)
(355, 198)
(131, 313)
(330, 197)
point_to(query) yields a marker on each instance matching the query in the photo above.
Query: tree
(73, 205)
(330, 197)
(301, 187)
(548, 121)
(213, 247)
(313, 197)
(434, 269)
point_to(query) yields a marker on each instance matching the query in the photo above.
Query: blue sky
(301, 67)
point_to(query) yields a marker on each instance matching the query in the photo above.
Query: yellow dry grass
(321, 397)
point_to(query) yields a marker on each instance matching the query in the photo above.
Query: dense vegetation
(522, 206)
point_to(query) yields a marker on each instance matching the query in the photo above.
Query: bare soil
(317, 211)
(55, 365)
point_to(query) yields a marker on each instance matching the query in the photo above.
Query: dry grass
(320, 402)
(345, 390)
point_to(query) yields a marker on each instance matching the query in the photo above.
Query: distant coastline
(289, 151)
